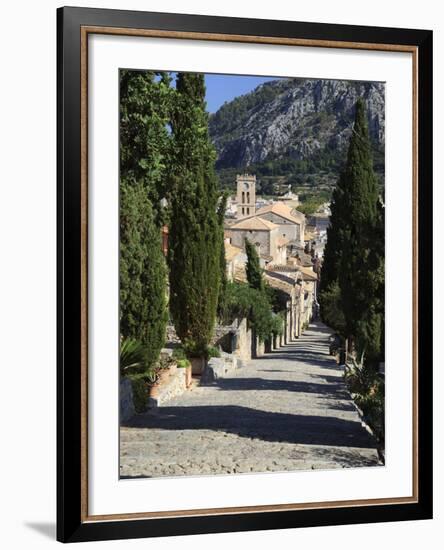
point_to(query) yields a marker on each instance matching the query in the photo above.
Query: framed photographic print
(244, 274)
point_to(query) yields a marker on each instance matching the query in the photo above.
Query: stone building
(235, 257)
(291, 222)
(271, 246)
(246, 195)
(304, 300)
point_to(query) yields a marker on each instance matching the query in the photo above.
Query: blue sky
(221, 88)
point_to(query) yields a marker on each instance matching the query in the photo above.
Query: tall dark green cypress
(143, 300)
(194, 235)
(144, 147)
(352, 277)
(222, 298)
(253, 269)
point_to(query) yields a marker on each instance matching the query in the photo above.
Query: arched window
(248, 196)
(243, 196)
(243, 210)
(248, 211)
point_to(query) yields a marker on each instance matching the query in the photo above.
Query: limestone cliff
(294, 118)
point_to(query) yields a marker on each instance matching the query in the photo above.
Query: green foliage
(277, 298)
(144, 151)
(352, 277)
(140, 389)
(179, 353)
(195, 233)
(277, 324)
(222, 262)
(311, 202)
(213, 351)
(331, 307)
(145, 104)
(143, 301)
(368, 390)
(253, 269)
(243, 301)
(132, 356)
(183, 363)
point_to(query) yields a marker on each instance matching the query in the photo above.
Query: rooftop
(254, 223)
(283, 210)
(308, 274)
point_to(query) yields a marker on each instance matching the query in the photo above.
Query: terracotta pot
(154, 390)
(163, 376)
(172, 369)
(198, 364)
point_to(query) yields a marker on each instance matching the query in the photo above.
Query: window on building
(248, 210)
(248, 196)
(243, 210)
(243, 196)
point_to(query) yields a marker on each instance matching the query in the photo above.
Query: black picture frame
(72, 524)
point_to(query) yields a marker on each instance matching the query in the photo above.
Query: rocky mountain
(298, 120)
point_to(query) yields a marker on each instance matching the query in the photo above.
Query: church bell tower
(246, 195)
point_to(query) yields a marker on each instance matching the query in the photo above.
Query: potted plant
(153, 380)
(183, 362)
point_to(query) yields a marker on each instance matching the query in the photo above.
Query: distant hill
(295, 131)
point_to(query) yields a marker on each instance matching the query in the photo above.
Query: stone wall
(287, 229)
(242, 341)
(171, 385)
(127, 409)
(223, 336)
(259, 348)
(262, 237)
(219, 367)
(174, 385)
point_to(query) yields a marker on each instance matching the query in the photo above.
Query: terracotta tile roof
(254, 223)
(283, 268)
(266, 257)
(279, 281)
(304, 259)
(308, 274)
(231, 251)
(282, 210)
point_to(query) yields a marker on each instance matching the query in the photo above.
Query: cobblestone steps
(287, 410)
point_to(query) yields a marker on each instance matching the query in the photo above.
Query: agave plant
(132, 356)
(152, 376)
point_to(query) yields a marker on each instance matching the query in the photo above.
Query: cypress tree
(360, 255)
(143, 301)
(221, 302)
(253, 269)
(144, 148)
(352, 277)
(194, 236)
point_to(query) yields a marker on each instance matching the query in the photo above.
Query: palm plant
(132, 356)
